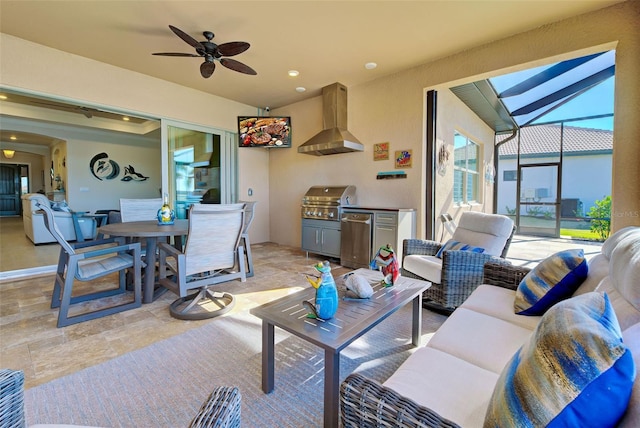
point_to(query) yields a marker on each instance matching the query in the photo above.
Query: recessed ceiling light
(370, 65)
(125, 118)
(300, 89)
(293, 73)
(13, 137)
(3, 97)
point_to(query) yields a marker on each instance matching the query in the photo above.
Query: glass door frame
(555, 204)
(228, 158)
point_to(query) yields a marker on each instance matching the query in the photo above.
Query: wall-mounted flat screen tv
(264, 131)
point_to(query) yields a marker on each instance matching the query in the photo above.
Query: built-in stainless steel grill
(326, 202)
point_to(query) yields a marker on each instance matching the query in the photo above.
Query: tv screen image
(264, 131)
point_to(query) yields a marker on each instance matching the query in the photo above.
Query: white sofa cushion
(498, 302)
(598, 269)
(615, 238)
(488, 231)
(427, 267)
(480, 339)
(624, 269)
(626, 313)
(631, 338)
(453, 388)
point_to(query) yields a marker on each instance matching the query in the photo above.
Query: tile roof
(545, 139)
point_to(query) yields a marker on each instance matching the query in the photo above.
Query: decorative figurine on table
(386, 261)
(326, 302)
(165, 214)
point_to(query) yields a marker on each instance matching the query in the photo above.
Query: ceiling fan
(212, 52)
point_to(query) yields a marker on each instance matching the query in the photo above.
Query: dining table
(152, 232)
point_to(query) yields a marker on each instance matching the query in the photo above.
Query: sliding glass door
(201, 166)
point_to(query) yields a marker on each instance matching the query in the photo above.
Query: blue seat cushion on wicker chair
(453, 245)
(554, 279)
(574, 370)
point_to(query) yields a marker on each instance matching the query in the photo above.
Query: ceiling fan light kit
(212, 52)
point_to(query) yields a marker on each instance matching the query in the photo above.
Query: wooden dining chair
(211, 253)
(89, 261)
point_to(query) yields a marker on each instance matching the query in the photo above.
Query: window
(510, 175)
(466, 177)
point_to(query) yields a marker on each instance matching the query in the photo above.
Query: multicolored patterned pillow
(556, 278)
(460, 246)
(574, 371)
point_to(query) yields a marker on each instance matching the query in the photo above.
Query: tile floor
(29, 339)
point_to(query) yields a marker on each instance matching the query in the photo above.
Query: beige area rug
(164, 384)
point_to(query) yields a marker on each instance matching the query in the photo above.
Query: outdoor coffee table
(353, 319)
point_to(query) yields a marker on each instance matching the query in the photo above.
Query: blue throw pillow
(459, 246)
(574, 371)
(556, 278)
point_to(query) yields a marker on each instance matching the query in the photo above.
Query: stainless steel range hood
(334, 138)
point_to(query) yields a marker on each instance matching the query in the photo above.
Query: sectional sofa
(33, 220)
(487, 365)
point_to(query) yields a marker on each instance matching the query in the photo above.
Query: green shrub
(600, 214)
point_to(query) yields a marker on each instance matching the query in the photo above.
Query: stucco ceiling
(326, 41)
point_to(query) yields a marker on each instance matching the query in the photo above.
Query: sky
(596, 101)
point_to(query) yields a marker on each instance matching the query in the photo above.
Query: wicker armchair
(220, 410)
(457, 273)
(11, 398)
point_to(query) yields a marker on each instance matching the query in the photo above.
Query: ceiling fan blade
(187, 38)
(86, 112)
(233, 48)
(237, 66)
(207, 69)
(175, 54)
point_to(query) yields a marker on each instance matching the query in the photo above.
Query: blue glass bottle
(326, 293)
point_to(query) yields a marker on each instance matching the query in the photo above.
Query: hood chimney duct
(334, 138)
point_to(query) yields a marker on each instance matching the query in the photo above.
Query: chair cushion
(574, 371)
(92, 269)
(488, 231)
(552, 280)
(452, 245)
(427, 267)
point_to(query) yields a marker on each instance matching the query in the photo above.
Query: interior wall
(454, 115)
(87, 193)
